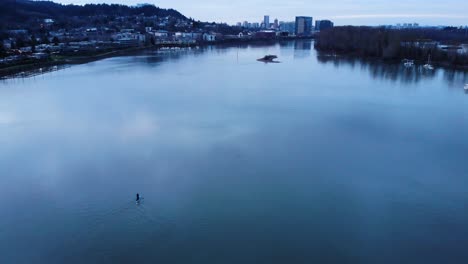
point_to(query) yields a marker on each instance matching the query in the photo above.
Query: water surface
(317, 159)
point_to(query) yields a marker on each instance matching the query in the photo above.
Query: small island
(269, 59)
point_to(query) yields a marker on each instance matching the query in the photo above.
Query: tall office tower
(303, 26)
(266, 21)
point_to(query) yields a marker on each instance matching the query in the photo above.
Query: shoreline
(444, 65)
(36, 68)
(27, 69)
(14, 70)
(426, 46)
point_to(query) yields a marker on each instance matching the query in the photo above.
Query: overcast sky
(343, 12)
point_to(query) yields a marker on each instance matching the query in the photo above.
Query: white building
(210, 37)
(161, 34)
(129, 39)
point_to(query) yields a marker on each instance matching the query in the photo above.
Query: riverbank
(60, 60)
(55, 61)
(354, 57)
(423, 46)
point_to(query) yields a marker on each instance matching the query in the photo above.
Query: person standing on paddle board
(137, 197)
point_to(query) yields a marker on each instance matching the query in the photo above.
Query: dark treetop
(391, 44)
(21, 11)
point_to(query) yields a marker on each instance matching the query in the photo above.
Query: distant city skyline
(342, 12)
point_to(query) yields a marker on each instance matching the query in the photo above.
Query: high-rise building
(288, 27)
(239, 24)
(246, 24)
(303, 26)
(323, 24)
(275, 24)
(266, 21)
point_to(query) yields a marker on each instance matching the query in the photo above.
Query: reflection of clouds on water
(199, 137)
(139, 126)
(7, 118)
(49, 167)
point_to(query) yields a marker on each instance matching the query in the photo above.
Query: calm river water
(316, 159)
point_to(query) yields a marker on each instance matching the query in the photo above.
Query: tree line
(393, 44)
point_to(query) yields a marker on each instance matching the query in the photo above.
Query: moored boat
(428, 65)
(408, 63)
